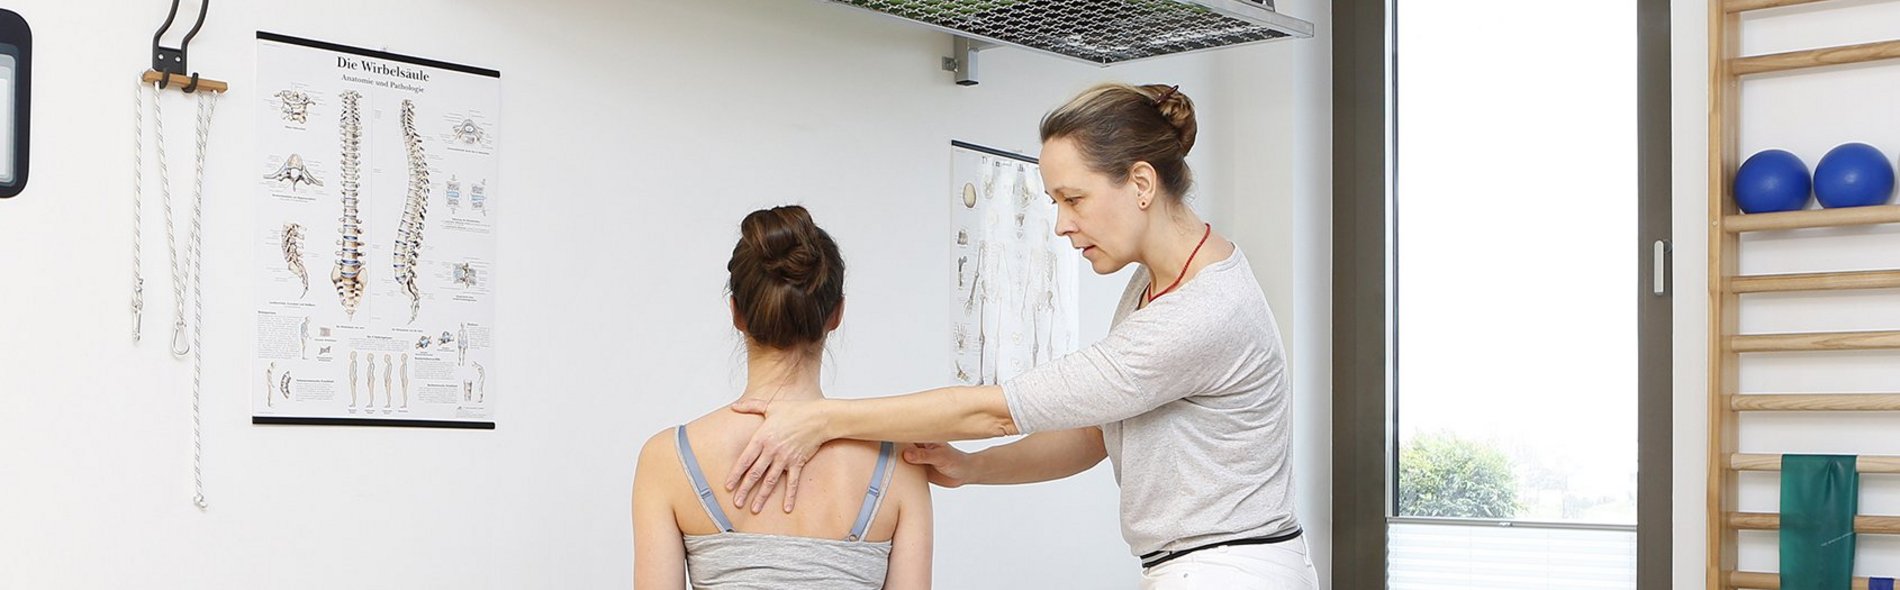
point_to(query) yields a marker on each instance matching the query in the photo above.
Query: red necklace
(1184, 267)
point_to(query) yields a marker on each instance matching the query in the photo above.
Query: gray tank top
(745, 561)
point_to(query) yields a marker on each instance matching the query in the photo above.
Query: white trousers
(1279, 566)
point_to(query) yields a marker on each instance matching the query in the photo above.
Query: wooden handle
(1820, 281)
(1763, 521)
(1871, 340)
(1814, 58)
(1770, 581)
(1863, 463)
(1747, 5)
(1813, 218)
(179, 82)
(1816, 402)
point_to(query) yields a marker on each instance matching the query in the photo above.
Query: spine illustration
(347, 275)
(294, 172)
(295, 106)
(470, 133)
(478, 197)
(454, 192)
(293, 255)
(409, 234)
(463, 274)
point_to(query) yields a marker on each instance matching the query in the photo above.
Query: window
(1514, 323)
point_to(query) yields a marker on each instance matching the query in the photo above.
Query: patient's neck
(781, 374)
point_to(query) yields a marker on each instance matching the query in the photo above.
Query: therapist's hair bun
(1116, 125)
(1179, 110)
(786, 278)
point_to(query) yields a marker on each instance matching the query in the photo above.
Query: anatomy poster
(376, 203)
(1013, 305)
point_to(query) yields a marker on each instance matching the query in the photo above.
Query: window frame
(1365, 461)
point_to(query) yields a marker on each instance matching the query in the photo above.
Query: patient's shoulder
(907, 480)
(661, 441)
(657, 472)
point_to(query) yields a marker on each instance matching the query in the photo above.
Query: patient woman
(867, 524)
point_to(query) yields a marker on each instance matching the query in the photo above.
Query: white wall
(1807, 113)
(1277, 141)
(637, 134)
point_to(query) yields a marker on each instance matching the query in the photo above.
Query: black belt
(1160, 557)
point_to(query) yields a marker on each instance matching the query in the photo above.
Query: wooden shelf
(1816, 402)
(1770, 581)
(1762, 462)
(1820, 281)
(1870, 340)
(1815, 58)
(1733, 6)
(1846, 216)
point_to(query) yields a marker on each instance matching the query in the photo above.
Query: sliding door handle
(1659, 267)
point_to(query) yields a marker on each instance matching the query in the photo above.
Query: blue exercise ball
(1853, 175)
(1772, 180)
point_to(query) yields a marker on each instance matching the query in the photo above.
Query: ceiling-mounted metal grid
(1102, 32)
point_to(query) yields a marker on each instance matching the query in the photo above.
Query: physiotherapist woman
(1186, 396)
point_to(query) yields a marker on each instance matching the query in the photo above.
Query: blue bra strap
(873, 497)
(699, 483)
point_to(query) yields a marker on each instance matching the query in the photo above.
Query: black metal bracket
(166, 60)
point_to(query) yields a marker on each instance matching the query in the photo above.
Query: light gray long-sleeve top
(1191, 394)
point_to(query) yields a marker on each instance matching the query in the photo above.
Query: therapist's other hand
(791, 434)
(948, 466)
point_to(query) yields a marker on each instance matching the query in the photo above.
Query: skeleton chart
(1014, 291)
(373, 250)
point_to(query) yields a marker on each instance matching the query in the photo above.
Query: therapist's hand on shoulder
(948, 466)
(792, 432)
